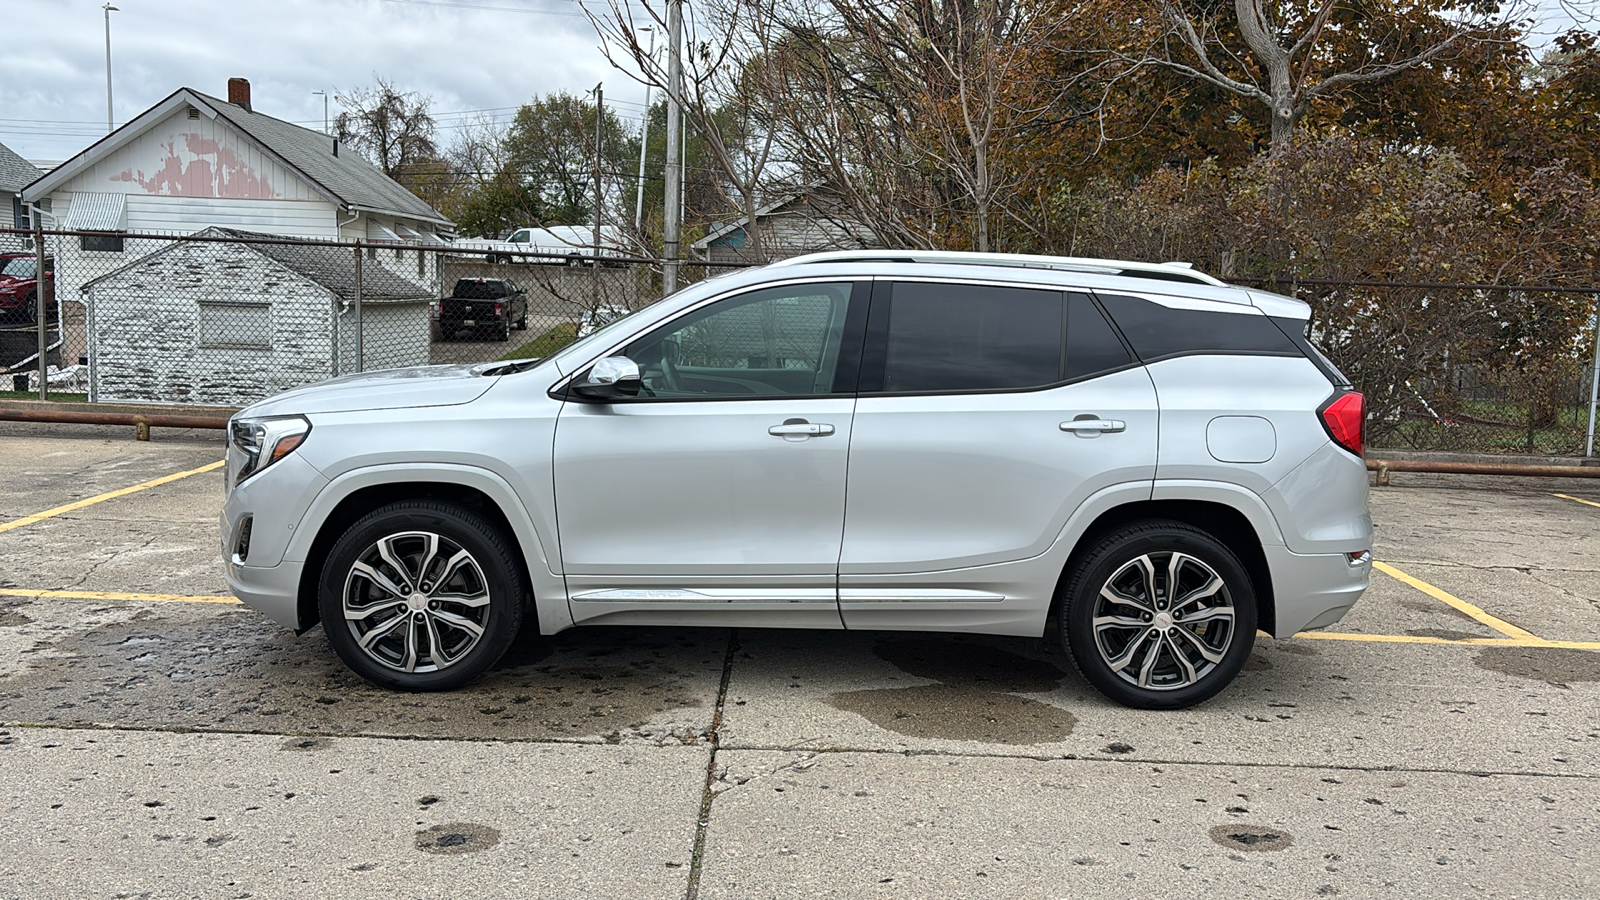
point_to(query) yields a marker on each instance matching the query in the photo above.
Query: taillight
(497, 309)
(1345, 418)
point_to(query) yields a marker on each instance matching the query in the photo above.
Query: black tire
(522, 321)
(1191, 662)
(30, 312)
(406, 623)
(503, 333)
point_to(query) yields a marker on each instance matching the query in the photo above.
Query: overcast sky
(469, 55)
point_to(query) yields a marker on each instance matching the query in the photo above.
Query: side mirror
(609, 379)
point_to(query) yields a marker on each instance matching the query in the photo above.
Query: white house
(193, 161)
(15, 174)
(804, 222)
(227, 317)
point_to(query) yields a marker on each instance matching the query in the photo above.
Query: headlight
(261, 442)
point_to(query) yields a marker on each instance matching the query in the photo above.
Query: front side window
(19, 267)
(778, 342)
(960, 337)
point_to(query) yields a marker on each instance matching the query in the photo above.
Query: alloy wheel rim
(1163, 621)
(416, 602)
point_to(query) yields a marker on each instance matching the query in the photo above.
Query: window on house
(235, 326)
(102, 243)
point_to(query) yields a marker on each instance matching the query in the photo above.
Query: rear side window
(467, 289)
(1159, 332)
(957, 337)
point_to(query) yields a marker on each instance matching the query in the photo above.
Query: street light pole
(674, 181)
(109, 10)
(324, 109)
(644, 141)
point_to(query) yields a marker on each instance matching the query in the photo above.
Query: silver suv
(1154, 460)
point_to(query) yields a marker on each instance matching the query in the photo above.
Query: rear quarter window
(1160, 332)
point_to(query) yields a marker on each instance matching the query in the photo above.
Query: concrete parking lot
(157, 739)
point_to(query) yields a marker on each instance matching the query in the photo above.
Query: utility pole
(599, 196)
(109, 10)
(644, 142)
(324, 109)
(674, 185)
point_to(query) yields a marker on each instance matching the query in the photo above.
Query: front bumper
(272, 590)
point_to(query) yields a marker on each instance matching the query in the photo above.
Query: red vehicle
(19, 286)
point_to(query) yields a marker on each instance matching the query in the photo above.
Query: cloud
(52, 77)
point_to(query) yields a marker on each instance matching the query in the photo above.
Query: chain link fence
(224, 318)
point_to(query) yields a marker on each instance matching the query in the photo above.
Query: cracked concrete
(176, 749)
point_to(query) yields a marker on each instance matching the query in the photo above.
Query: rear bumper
(1313, 590)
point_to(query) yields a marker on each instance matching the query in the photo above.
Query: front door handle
(1096, 426)
(800, 428)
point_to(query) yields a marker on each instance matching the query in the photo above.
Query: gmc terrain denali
(864, 440)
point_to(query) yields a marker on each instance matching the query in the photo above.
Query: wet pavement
(156, 744)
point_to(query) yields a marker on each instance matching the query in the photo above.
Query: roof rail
(1169, 271)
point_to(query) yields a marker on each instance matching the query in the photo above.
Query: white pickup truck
(571, 245)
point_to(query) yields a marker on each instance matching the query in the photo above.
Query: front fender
(549, 587)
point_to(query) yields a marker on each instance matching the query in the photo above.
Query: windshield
(20, 267)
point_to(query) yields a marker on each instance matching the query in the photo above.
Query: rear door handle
(1099, 426)
(800, 428)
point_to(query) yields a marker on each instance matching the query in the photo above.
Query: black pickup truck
(491, 306)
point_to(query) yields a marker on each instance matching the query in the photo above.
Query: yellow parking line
(114, 595)
(154, 482)
(1498, 624)
(1469, 642)
(1576, 499)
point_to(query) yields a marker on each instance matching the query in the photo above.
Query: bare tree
(905, 108)
(1288, 54)
(728, 46)
(390, 127)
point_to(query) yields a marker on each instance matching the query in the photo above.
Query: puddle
(975, 699)
(1424, 606)
(971, 665)
(457, 838)
(1557, 665)
(233, 670)
(959, 713)
(1444, 633)
(1250, 838)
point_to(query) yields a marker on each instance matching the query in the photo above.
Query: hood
(387, 389)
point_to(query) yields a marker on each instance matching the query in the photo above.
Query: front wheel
(421, 596)
(1159, 615)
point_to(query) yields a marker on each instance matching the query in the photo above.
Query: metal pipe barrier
(1384, 466)
(142, 422)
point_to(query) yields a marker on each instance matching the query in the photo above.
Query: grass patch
(553, 339)
(55, 396)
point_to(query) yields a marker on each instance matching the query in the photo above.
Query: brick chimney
(239, 92)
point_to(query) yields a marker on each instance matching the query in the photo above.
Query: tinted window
(467, 289)
(1157, 331)
(109, 243)
(953, 337)
(1092, 346)
(779, 342)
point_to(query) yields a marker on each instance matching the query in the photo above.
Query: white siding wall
(200, 157)
(146, 324)
(392, 335)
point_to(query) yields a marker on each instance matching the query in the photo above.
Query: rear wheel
(1159, 615)
(30, 308)
(503, 331)
(421, 596)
